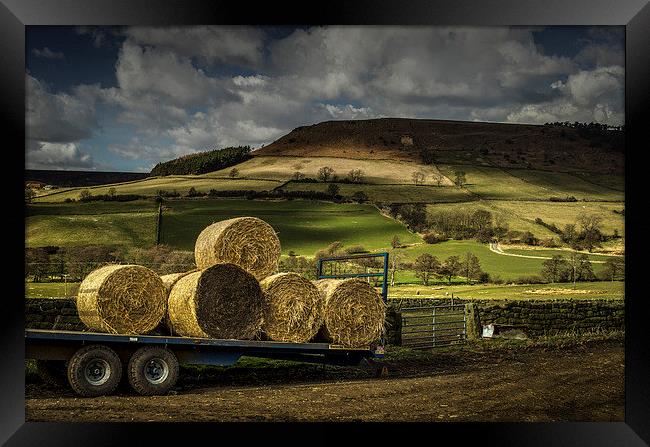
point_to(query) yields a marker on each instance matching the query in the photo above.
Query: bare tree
(355, 176)
(418, 178)
(325, 173)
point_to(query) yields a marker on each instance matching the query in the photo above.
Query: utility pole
(159, 223)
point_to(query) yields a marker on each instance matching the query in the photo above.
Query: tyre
(94, 370)
(152, 370)
(52, 372)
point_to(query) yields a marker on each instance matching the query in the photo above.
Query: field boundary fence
(433, 326)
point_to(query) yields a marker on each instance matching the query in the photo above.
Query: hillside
(550, 148)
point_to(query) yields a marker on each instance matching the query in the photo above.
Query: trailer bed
(58, 345)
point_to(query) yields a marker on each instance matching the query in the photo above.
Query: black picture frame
(634, 14)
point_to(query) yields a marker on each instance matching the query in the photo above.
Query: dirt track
(528, 383)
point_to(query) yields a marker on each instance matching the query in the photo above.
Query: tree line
(203, 162)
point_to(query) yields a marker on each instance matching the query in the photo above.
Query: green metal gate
(429, 327)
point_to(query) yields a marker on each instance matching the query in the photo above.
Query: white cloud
(44, 155)
(210, 44)
(58, 117)
(47, 53)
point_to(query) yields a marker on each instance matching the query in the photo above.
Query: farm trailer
(94, 361)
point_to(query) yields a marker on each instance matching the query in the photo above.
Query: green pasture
(109, 223)
(390, 193)
(181, 184)
(303, 226)
(583, 290)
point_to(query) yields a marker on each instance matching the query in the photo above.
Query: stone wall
(52, 313)
(533, 317)
(551, 317)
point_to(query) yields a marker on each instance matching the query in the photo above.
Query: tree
(333, 189)
(395, 260)
(111, 191)
(395, 242)
(29, 195)
(418, 178)
(614, 268)
(555, 269)
(355, 176)
(569, 234)
(459, 178)
(581, 267)
(85, 194)
(451, 267)
(360, 197)
(414, 215)
(234, 172)
(438, 178)
(591, 233)
(471, 267)
(425, 266)
(325, 173)
(298, 175)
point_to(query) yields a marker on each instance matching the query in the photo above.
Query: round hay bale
(165, 326)
(223, 301)
(122, 299)
(172, 278)
(248, 242)
(293, 308)
(354, 312)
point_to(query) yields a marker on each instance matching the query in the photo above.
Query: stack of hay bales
(235, 293)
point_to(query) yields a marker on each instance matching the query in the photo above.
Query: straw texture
(354, 312)
(293, 309)
(122, 299)
(248, 242)
(223, 301)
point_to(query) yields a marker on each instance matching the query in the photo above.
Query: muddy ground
(567, 380)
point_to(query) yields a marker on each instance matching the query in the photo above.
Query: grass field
(583, 290)
(523, 184)
(302, 226)
(181, 184)
(505, 267)
(390, 193)
(51, 289)
(130, 223)
(375, 171)
(562, 213)
(564, 184)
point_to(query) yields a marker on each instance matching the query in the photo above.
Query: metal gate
(428, 327)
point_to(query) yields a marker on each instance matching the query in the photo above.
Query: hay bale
(165, 326)
(122, 299)
(293, 308)
(354, 312)
(172, 278)
(223, 301)
(248, 242)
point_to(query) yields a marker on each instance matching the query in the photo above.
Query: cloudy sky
(126, 98)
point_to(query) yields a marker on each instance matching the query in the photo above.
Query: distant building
(32, 184)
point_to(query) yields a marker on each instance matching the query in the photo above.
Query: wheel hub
(156, 370)
(97, 372)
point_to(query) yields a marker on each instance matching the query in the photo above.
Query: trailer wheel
(94, 370)
(152, 370)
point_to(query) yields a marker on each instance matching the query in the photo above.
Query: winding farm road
(494, 247)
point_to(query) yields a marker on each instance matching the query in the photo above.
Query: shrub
(355, 249)
(432, 238)
(529, 279)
